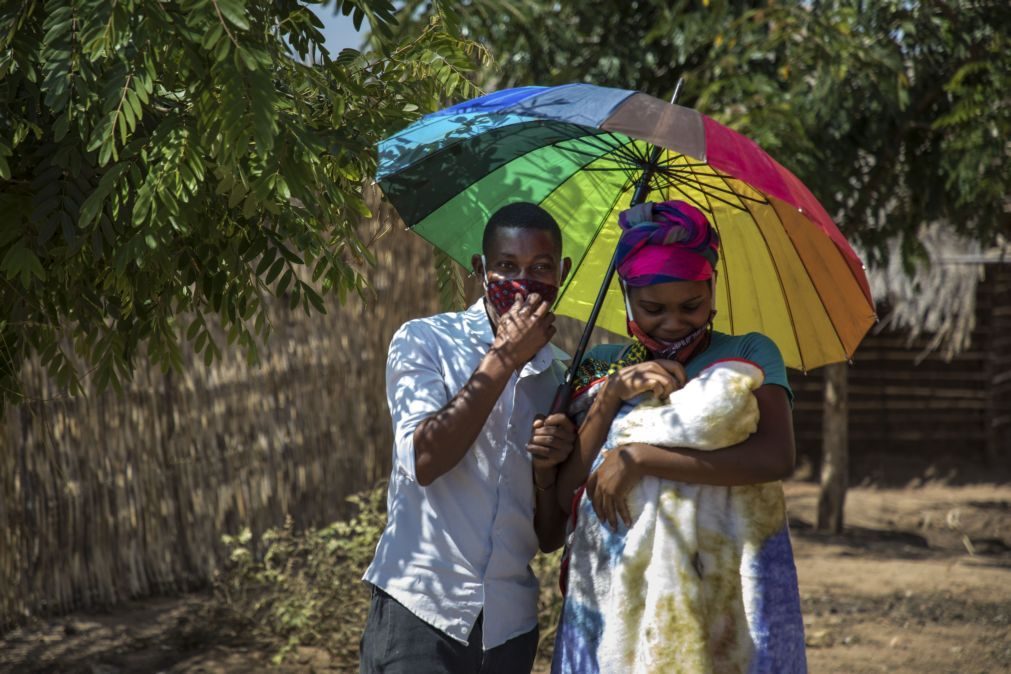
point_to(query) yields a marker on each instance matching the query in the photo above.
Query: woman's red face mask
(669, 318)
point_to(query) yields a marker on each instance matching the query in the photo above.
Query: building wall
(920, 416)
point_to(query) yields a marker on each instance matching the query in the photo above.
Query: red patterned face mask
(680, 350)
(502, 293)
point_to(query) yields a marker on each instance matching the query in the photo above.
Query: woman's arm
(589, 440)
(551, 442)
(660, 377)
(765, 456)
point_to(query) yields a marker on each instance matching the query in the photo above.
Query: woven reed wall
(105, 498)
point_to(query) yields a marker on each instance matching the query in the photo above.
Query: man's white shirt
(463, 544)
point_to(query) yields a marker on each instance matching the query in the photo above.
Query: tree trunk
(835, 450)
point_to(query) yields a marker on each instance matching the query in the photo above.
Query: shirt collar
(479, 325)
(477, 322)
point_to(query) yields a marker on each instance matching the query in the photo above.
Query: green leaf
(191, 332)
(284, 282)
(92, 206)
(314, 298)
(268, 258)
(274, 271)
(234, 11)
(22, 262)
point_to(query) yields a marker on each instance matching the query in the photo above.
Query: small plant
(305, 588)
(549, 606)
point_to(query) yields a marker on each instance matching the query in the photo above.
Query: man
(472, 492)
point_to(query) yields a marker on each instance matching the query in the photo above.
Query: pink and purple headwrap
(665, 241)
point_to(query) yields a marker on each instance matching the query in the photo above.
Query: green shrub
(305, 588)
(549, 607)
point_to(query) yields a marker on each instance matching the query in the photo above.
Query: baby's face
(670, 311)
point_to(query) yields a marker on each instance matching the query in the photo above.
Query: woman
(679, 560)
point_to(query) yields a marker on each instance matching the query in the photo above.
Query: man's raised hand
(524, 330)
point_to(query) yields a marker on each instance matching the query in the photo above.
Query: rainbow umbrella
(584, 153)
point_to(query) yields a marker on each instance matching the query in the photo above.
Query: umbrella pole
(564, 394)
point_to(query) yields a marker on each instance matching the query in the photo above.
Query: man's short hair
(520, 215)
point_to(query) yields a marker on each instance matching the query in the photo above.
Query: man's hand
(524, 330)
(609, 485)
(551, 442)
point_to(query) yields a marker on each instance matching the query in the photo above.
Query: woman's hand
(609, 485)
(661, 377)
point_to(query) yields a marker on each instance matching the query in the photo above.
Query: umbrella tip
(677, 90)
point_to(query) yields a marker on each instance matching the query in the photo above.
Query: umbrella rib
(763, 201)
(581, 169)
(684, 181)
(782, 286)
(629, 152)
(672, 181)
(630, 160)
(573, 150)
(619, 143)
(673, 161)
(726, 271)
(664, 184)
(828, 315)
(591, 139)
(600, 228)
(586, 140)
(725, 190)
(627, 168)
(675, 168)
(606, 169)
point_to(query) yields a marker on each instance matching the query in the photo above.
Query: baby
(714, 410)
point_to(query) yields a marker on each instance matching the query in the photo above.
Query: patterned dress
(704, 579)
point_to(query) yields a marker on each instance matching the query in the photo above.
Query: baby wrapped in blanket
(714, 410)
(703, 580)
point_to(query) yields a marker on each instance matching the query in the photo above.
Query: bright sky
(339, 30)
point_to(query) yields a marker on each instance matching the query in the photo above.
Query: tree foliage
(895, 113)
(161, 160)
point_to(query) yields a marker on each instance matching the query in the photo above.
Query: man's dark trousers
(398, 642)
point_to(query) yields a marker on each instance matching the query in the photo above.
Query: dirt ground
(920, 583)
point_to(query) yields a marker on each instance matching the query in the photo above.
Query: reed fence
(104, 498)
(107, 497)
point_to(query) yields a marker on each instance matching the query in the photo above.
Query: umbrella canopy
(580, 151)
